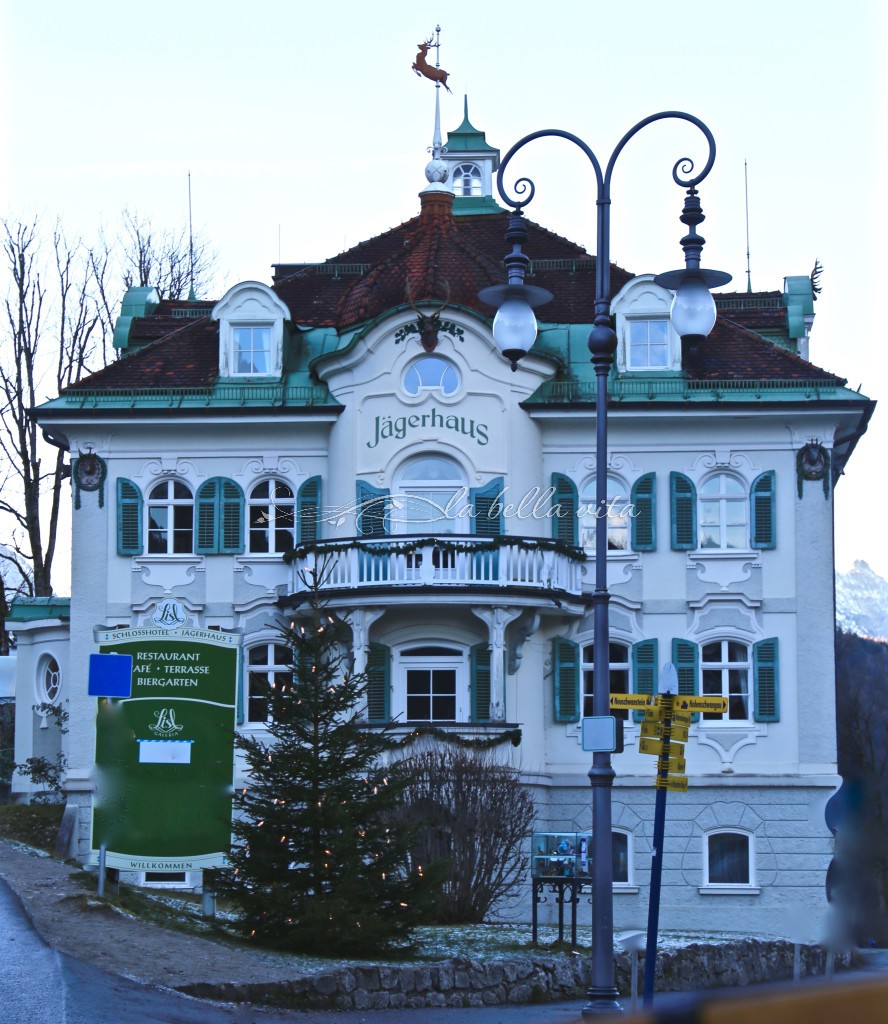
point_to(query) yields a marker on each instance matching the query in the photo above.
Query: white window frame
(474, 175)
(730, 888)
(250, 304)
(641, 367)
(42, 689)
(170, 503)
(270, 506)
(725, 667)
(618, 526)
(587, 669)
(459, 661)
(630, 884)
(433, 389)
(405, 489)
(271, 668)
(724, 499)
(236, 349)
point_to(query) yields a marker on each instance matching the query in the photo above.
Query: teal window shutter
(379, 675)
(205, 507)
(565, 503)
(767, 690)
(373, 510)
(684, 512)
(129, 518)
(487, 511)
(479, 664)
(686, 658)
(763, 511)
(231, 518)
(644, 518)
(566, 675)
(644, 670)
(219, 517)
(308, 511)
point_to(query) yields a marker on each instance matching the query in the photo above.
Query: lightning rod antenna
(746, 190)
(191, 295)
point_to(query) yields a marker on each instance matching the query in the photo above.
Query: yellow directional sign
(631, 700)
(674, 764)
(715, 705)
(649, 746)
(677, 783)
(679, 719)
(657, 730)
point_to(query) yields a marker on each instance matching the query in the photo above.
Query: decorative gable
(251, 331)
(647, 341)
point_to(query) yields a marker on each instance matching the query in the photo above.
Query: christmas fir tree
(319, 862)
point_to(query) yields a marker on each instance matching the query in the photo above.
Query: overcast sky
(305, 131)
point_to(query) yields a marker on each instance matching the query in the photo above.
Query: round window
(431, 373)
(49, 680)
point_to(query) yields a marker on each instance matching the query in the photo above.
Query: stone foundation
(462, 982)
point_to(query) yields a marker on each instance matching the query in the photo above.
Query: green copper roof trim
(33, 609)
(468, 206)
(225, 395)
(669, 389)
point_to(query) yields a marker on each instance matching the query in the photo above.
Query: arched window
(430, 494)
(728, 858)
(615, 513)
(619, 665)
(621, 853)
(271, 511)
(267, 666)
(722, 503)
(48, 683)
(467, 180)
(170, 519)
(430, 373)
(725, 669)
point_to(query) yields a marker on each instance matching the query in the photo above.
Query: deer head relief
(427, 325)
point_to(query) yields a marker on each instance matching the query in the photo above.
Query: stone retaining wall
(462, 982)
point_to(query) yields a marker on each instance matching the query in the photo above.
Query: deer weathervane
(422, 67)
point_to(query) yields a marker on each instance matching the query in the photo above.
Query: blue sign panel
(110, 675)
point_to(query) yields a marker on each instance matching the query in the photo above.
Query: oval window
(431, 373)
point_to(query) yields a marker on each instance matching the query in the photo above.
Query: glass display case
(561, 855)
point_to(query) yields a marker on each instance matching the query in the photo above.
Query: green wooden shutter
(767, 690)
(686, 658)
(206, 515)
(479, 664)
(308, 511)
(566, 676)
(487, 511)
(231, 518)
(129, 518)
(684, 512)
(763, 511)
(644, 508)
(644, 670)
(373, 510)
(565, 502)
(379, 674)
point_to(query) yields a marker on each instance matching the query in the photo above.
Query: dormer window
(647, 344)
(251, 331)
(467, 180)
(252, 350)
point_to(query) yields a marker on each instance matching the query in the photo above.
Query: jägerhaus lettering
(397, 426)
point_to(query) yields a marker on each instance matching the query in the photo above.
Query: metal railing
(640, 388)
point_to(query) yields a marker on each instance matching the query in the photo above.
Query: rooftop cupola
(472, 163)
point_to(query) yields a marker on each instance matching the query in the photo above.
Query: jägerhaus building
(356, 413)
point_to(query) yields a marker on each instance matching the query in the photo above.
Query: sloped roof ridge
(784, 353)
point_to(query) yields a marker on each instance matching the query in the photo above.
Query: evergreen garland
(512, 736)
(399, 546)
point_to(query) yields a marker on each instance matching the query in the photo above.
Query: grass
(34, 825)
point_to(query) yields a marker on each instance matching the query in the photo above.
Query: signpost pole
(667, 688)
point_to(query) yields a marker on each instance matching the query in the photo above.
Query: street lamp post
(514, 332)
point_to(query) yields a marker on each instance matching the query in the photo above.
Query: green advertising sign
(165, 754)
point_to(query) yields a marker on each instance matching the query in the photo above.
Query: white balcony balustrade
(454, 561)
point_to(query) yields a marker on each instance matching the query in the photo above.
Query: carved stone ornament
(812, 463)
(88, 473)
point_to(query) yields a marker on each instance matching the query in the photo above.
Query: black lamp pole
(514, 330)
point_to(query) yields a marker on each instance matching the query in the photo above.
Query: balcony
(486, 564)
